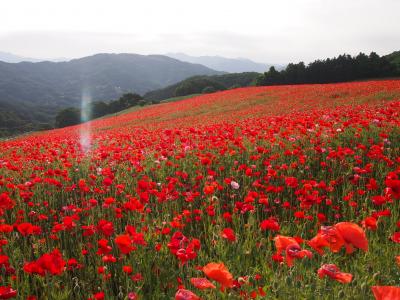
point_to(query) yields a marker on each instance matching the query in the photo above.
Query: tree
(142, 102)
(338, 69)
(125, 101)
(235, 86)
(99, 109)
(67, 117)
(186, 88)
(270, 77)
(208, 90)
(130, 99)
(196, 85)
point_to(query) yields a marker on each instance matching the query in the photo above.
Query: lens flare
(85, 138)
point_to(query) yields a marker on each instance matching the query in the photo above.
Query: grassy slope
(173, 99)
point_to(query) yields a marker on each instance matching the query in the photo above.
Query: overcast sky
(277, 31)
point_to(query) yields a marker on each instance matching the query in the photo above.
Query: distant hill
(32, 93)
(201, 84)
(12, 58)
(231, 65)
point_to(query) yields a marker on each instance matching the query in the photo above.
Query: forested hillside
(203, 84)
(32, 93)
(338, 69)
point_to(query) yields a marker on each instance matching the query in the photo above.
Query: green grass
(174, 99)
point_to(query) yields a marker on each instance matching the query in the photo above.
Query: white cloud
(269, 31)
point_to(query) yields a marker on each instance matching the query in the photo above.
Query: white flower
(235, 185)
(99, 170)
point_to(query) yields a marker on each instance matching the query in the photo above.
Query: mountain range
(230, 65)
(13, 58)
(219, 63)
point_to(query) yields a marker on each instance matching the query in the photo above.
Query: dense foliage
(284, 192)
(338, 69)
(92, 110)
(16, 119)
(67, 117)
(395, 59)
(197, 86)
(203, 84)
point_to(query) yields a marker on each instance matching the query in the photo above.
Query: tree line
(72, 115)
(338, 69)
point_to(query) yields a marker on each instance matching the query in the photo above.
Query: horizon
(281, 64)
(265, 32)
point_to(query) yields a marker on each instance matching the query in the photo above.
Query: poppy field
(284, 192)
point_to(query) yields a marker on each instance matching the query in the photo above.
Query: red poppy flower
(133, 296)
(104, 248)
(6, 292)
(219, 273)
(208, 189)
(353, 235)
(342, 234)
(379, 200)
(395, 237)
(282, 242)
(4, 260)
(228, 234)
(291, 248)
(333, 272)
(270, 224)
(394, 186)
(183, 294)
(105, 227)
(25, 229)
(5, 228)
(386, 292)
(98, 296)
(183, 248)
(370, 223)
(109, 258)
(6, 202)
(124, 243)
(291, 182)
(52, 263)
(127, 269)
(202, 283)
(318, 243)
